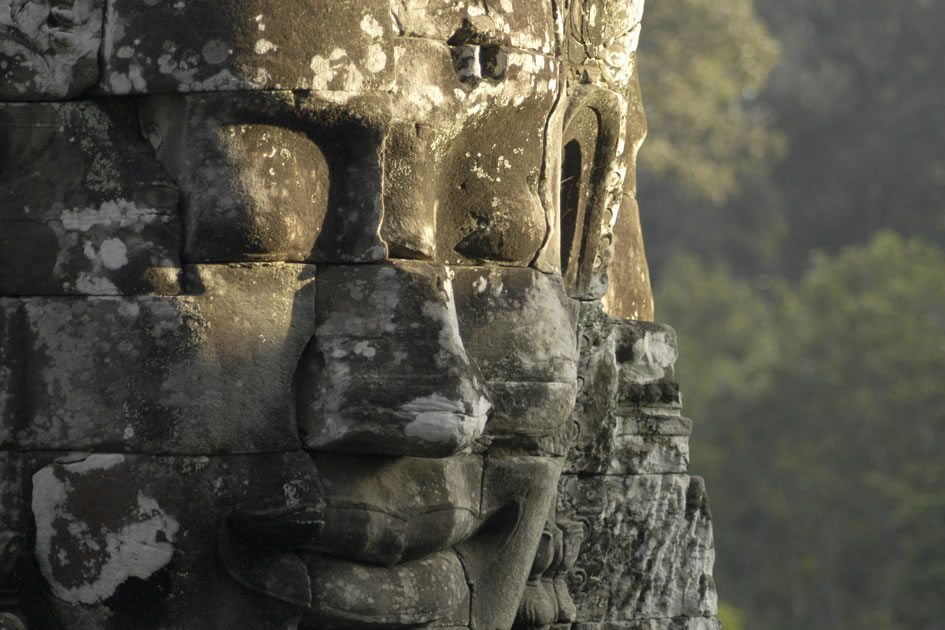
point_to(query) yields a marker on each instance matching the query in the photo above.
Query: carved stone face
(353, 402)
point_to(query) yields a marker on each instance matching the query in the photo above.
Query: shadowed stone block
(12, 492)
(647, 553)
(85, 208)
(518, 496)
(386, 510)
(154, 47)
(49, 50)
(364, 596)
(200, 373)
(117, 535)
(274, 176)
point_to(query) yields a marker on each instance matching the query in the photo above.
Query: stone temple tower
(334, 314)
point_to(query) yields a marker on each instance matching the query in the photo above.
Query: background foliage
(791, 191)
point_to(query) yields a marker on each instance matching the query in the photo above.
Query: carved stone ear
(590, 147)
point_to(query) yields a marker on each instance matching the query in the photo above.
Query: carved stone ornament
(301, 322)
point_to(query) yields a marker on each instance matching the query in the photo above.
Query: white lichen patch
(439, 420)
(364, 349)
(372, 27)
(83, 555)
(113, 253)
(376, 58)
(264, 46)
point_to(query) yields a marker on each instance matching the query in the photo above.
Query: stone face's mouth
(386, 510)
(384, 556)
(431, 513)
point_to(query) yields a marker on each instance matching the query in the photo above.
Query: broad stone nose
(387, 371)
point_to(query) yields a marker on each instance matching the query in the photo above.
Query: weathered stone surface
(517, 323)
(648, 549)
(632, 445)
(518, 23)
(487, 138)
(602, 37)
(364, 596)
(201, 373)
(388, 372)
(12, 492)
(629, 293)
(518, 326)
(268, 445)
(85, 209)
(387, 510)
(274, 176)
(677, 623)
(158, 47)
(518, 497)
(118, 535)
(627, 411)
(49, 50)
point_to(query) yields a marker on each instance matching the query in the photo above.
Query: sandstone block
(112, 524)
(518, 325)
(648, 551)
(238, 45)
(631, 444)
(49, 51)
(274, 176)
(676, 623)
(388, 373)
(200, 373)
(484, 111)
(519, 23)
(386, 510)
(518, 497)
(627, 409)
(354, 595)
(85, 208)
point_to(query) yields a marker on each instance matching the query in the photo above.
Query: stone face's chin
(355, 595)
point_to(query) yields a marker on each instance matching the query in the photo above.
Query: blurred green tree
(840, 140)
(701, 61)
(820, 422)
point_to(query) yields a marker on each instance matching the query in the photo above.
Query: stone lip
(387, 510)
(354, 595)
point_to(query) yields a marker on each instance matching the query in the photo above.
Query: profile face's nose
(387, 372)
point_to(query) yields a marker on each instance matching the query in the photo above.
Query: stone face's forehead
(526, 24)
(324, 45)
(161, 46)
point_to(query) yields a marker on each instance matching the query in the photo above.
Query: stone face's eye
(274, 199)
(491, 209)
(270, 176)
